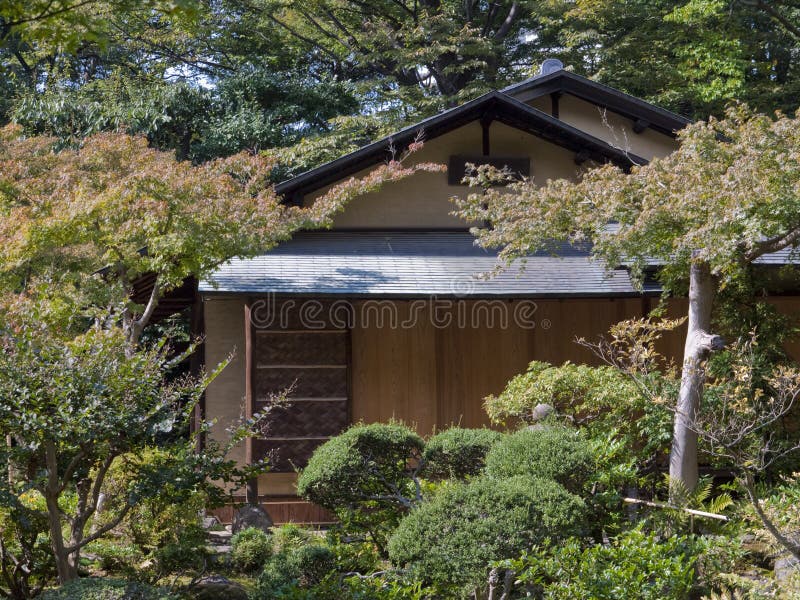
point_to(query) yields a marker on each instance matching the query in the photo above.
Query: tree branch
(773, 244)
(68, 472)
(46, 13)
(750, 488)
(140, 323)
(102, 531)
(779, 17)
(513, 13)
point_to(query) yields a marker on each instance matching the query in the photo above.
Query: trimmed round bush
(451, 540)
(294, 570)
(102, 588)
(458, 453)
(548, 451)
(353, 466)
(251, 548)
(364, 476)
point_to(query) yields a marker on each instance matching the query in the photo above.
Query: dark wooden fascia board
(251, 488)
(411, 297)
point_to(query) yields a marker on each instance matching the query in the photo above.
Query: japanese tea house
(386, 316)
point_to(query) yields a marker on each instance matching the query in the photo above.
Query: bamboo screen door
(315, 365)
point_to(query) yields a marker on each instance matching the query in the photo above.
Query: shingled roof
(413, 265)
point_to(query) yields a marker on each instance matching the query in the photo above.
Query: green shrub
(290, 536)
(451, 540)
(457, 453)
(601, 400)
(381, 588)
(550, 452)
(187, 552)
(96, 588)
(289, 572)
(565, 387)
(116, 556)
(353, 554)
(365, 476)
(635, 565)
(251, 548)
(164, 528)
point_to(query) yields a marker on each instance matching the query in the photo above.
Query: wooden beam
(691, 511)
(251, 491)
(639, 125)
(554, 108)
(486, 123)
(581, 157)
(196, 364)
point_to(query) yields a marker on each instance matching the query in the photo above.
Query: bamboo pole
(691, 511)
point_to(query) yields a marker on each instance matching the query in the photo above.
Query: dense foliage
(548, 452)
(457, 453)
(211, 78)
(450, 540)
(635, 565)
(96, 588)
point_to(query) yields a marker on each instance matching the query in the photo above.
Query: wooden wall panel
(396, 373)
(432, 377)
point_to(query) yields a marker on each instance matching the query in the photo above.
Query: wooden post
(251, 491)
(486, 123)
(197, 362)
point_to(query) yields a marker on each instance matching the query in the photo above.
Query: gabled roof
(631, 107)
(494, 106)
(507, 106)
(445, 264)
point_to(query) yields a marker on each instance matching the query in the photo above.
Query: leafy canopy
(117, 202)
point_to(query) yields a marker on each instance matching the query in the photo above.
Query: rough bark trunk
(699, 342)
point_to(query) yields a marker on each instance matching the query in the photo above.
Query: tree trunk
(699, 342)
(66, 563)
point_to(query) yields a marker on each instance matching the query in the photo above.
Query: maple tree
(116, 203)
(704, 214)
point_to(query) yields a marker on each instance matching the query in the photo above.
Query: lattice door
(316, 365)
